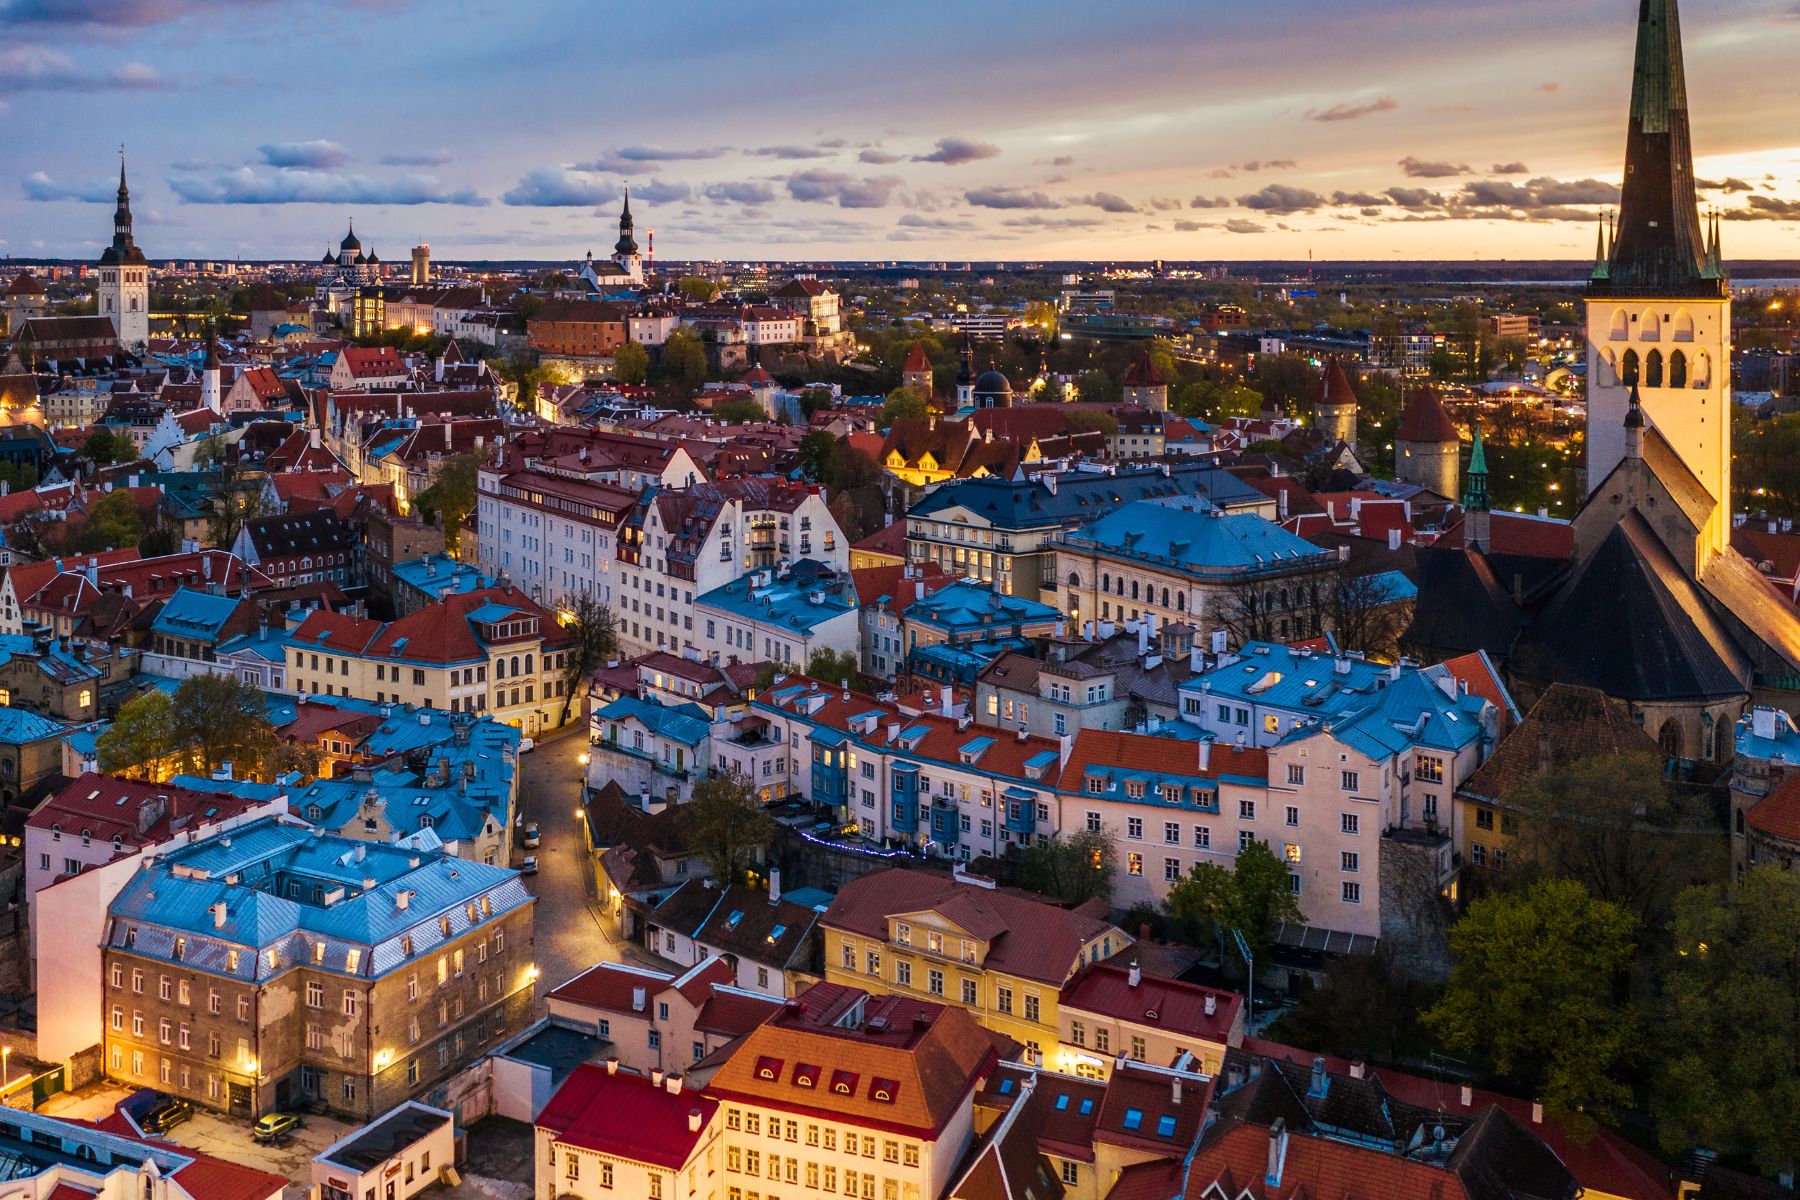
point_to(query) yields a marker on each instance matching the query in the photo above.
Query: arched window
(1683, 329)
(1628, 368)
(1649, 326)
(1180, 601)
(1609, 368)
(1105, 582)
(1669, 738)
(1617, 329)
(1653, 373)
(1678, 369)
(1134, 589)
(515, 665)
(1165, 602)
(1074, 579)
(528, 664)
(499, 668)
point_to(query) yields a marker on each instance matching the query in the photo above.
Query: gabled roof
(1568, 722)
(626, 1116)
(1425, 420)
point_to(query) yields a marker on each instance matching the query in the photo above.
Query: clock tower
(124, 294)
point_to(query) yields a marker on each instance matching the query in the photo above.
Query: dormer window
(903, 933)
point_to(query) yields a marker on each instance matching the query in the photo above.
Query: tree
(113, 521)
(1253, 898)
(19, 476)
(631, 363)
(812, 400)
(1731, 1012)
(1364, 614)
(1260, 609)
(1041, 316)
(596, 636)
(1084, 420)
(218, 719)
(833, 665)
(1614, 824)
(815, 455)
(105, 446)
(693, 287)
(725, 825)
(158, 540)
(450, 498)
(140, 736)
(739, 411)
(1097, 387)
(684, 358)
(905, 403)
(1075, 869)
(1366, 1008)
(1538, 993)
(230, 509)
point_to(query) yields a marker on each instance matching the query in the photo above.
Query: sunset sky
(1130, 129)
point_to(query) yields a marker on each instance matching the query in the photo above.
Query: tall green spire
(1475, 499)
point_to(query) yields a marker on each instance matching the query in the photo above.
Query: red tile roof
(1143, 373)
(889, 539)
(1337, 386)
(1028, 937)
(626, 1116)
(1778, 813)
(610, 986)
(1518, 533)
(1167, 756)
(890, 580)
(1425, 419)
(1167, 1004)
(110, 807)
(1478, 672)
(916, 362)
(1152, 1094)
(1315, 1168)
(366, 361)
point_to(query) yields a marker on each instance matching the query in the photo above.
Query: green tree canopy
(451, 497)
(1074, 869)
(684, 361)
(1537, 993)
(837, 666)
(693, 287)
(739, 410)
(113, 521)
(1730, 1078)
(905, 403)
(631, 363)
(596, 638)
(210, 720)
(1253, 897)
(725, 824)
(105, 446)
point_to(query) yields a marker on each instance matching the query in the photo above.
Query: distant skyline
(1179, 129)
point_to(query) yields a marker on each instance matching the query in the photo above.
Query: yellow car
(276, 1125)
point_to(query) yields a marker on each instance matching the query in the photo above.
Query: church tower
(1335, 413)
(1658, 304)
(916, 371)
(965, 375)
(625, 250)
(124, 293)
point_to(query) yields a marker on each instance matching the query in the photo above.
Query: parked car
(528, 865)
(273, 1126)
(165, 1114)
(532, 836)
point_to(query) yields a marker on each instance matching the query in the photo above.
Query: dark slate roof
(1463, 605)
(1567, 723)
(299, 533)
(1500, 1159)
(1029, 504)
(1631, 623)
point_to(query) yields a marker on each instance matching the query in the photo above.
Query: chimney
(1175, 1091)
(1358, 1069)
(1135, 976)
(218, 914)
(1394, 538)
(1468, 1096)
(1212, 1005)
(1321, 1082)
(656, 1077)
(1537, 1112)
(1205, 745)
(402, 898)
(612, 1065)
(693, 1120)
(1277, 1152)
(774, 885)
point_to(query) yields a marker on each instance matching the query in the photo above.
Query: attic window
(1165, 1126)
(843, 1083)
(731, 922)
(806, 1075)
(1062, 1102)
(1087, 1106)
(775, 934)
(1134, 1119)
(768, 1068)
(883, 1091)
(1006, 1086)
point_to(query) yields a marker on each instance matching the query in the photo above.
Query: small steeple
(1600, 265)
(1634, 425)
(1475, 499)
(626, 246)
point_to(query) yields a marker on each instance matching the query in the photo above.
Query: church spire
(627, 243)
(1475, 499)
(1660, 248)
(123, 248)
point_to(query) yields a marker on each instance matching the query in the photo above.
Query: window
(1351, 823)
(969, 992)
(1003, 999)
(1172, 833)
(1290, 852)
(1349, 781)
(315, 994)
(934, 982)
(1134, 828)
(1352, 892)
(1293, 816)
(1478, 854)
(1245, 838)
(1247, 810)
(1296, 774)
(1134, 863)
(1484, 818)
(1202, 837)
(1031, 1006)
(1103, 1039)
(1093, 822)
(1071, 1171)
(1171, 870)
(903, 973)
(1349, 860)
(1428, 769)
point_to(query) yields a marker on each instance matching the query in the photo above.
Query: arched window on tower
(1683, 329)
(1653, 369)
(1702, 369)
(1628, 368)
(1678, 373)
(1609, 368)
(1650, 326)
(1669, 738)
(1617, 329)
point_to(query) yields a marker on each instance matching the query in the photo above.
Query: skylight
(1134, 1118)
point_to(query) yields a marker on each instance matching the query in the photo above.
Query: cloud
(1356, 199)
(1282, 199)
(1238, 225)
(1355, 112)
(661, 191)
(880, 158)
(1267, 164)
(954, 151)
(1765, 208)
(1416, 168)
(1008, 197)
(111, 13)
(1209, 202)
(27, 68)
(241, 185)
(821, 186)
(1221, 173)
(39, 186)
(1105, 202)
(418, 158)
(317, 154)
(1723, 185)
(1189, 226)
(659, 154)
(1037, 221)
(745, 192)
(1550, 88)
(791, 152)
(560, 187)
(915, 221)
(1164, 203)
(1415, 198)
(1062, 160)
(610, 163)
(1511, 168)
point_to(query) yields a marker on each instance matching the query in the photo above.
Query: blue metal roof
(1030, 504)
(435, 572)
(685, 723)
(193, 614)
(18, 725)
(802, 602)
(1195, 538)
(967, 606)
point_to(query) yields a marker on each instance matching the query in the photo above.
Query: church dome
(361, 259)
(371, 259)
(994, 386)
(350, 245)
(330, 260)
